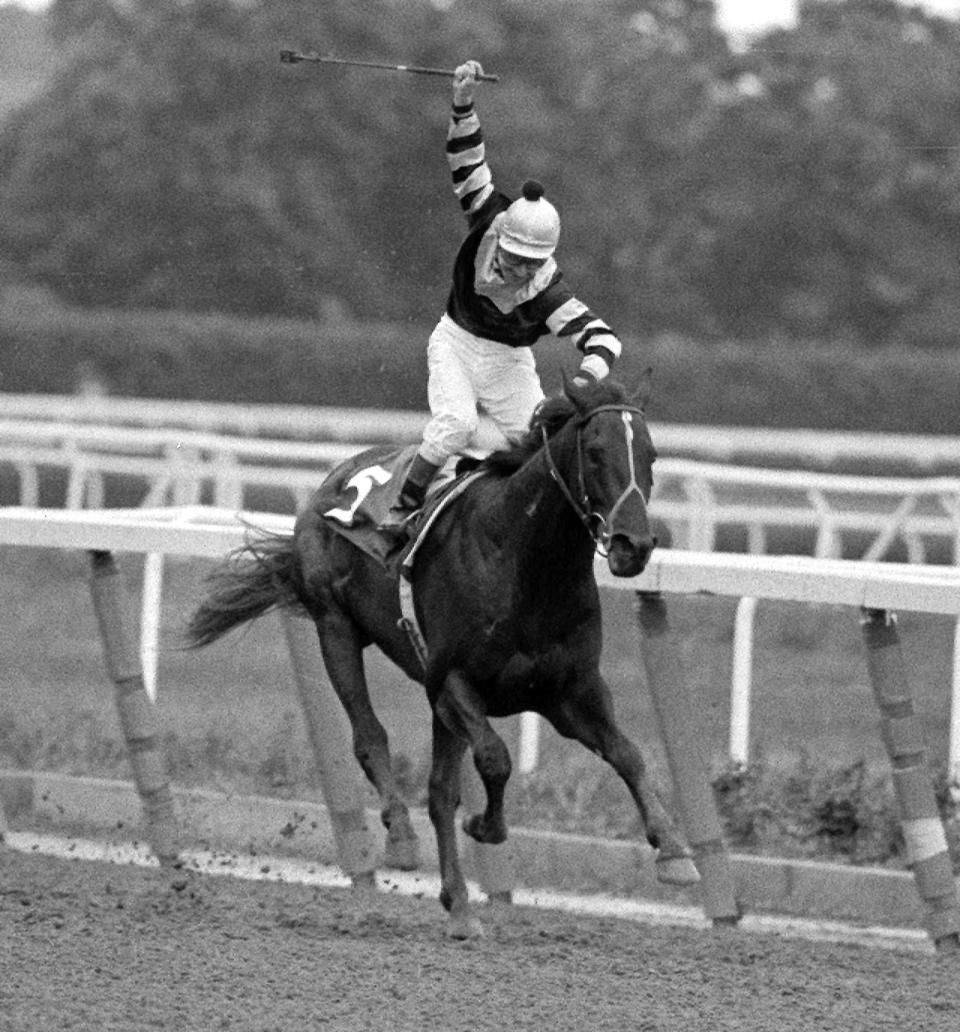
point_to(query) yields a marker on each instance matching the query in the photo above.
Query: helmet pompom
(532, 190)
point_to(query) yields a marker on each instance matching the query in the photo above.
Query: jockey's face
(517, 270)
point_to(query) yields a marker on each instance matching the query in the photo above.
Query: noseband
(595, 523)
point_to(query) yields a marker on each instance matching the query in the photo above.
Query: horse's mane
(551, 415)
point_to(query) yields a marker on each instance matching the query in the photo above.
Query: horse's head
(608, 475)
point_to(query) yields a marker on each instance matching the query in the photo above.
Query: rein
(594, 522)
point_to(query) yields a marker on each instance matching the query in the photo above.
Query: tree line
(807, 187)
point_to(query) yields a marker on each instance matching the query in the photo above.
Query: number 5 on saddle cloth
(356, 498)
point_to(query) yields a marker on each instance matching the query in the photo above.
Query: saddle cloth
(356, 498)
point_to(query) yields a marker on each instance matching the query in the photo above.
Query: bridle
(596, 523)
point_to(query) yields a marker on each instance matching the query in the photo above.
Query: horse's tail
(253, 580)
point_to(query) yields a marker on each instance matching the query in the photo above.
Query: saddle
(357, 498)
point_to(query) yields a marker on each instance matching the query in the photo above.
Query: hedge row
(212, 358)
(160, 355)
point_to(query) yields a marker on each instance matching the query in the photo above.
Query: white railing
(212, 533)
(313, 423)
(298, 422)
(696, 499)
(167, 466)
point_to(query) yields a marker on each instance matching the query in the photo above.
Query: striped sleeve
(472, 181)
(588, 332)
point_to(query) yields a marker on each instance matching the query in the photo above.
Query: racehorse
(509, 609)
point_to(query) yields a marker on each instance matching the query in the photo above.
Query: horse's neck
(544, 518)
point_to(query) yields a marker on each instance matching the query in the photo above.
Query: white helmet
(531, 225)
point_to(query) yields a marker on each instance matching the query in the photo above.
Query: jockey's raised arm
(466, 154)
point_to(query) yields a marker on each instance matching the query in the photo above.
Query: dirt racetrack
(113, 948)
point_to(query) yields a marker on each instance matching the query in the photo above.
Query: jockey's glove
(464, 80)
(593, 367)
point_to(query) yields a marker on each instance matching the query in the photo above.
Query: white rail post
(528, 748)
(76, 480)
(916, 553)
(756, 538)
(186, 475)
(682, 734)
(227, 480)
(742, 681)
(330, 737)
(953, 750)
(703, 525)
(96, 490)
(29, 484)
(951, 502)
(137, 713)
(829, 544)
(151, 597)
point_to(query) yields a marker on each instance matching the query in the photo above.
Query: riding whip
(295, 57)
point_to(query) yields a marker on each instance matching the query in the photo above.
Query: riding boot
(419, 478)
(413, 493)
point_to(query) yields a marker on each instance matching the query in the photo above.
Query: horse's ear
(644, 389)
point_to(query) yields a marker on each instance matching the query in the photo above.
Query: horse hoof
(479, 830)
(402, 854)
(464, 928)
(677, 870)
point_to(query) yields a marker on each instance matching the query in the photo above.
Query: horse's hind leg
(460, 708)
(587, 716)
(343, 657)
(444, 799)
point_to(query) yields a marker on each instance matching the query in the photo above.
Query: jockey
(507, 292)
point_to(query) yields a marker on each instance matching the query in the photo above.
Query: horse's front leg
(585, 712)
(444, 798)
(461, 708)
(343, 658)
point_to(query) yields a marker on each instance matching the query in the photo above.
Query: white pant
(469, 375)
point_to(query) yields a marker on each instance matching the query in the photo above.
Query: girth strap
(408, 621)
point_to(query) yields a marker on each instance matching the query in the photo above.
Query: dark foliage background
(218, 357)
(807, 188)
